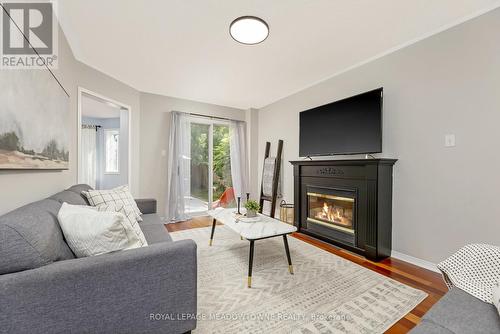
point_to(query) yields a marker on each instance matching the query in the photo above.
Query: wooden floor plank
(401, 271)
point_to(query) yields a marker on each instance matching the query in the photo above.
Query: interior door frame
(124, 107)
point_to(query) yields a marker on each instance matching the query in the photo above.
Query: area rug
(327, 294)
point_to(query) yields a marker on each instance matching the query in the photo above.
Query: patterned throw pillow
(496, 296)
(89, 232)
(119, 195)
(129, 214)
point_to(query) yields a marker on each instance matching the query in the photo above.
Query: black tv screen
(349, 126)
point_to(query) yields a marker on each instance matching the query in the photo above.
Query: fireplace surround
(347, 203)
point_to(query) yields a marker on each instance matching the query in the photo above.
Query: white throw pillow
(496, 296)
(129, 214)
(89, 232)
(119, 195)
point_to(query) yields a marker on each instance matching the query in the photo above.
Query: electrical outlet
(449, 140)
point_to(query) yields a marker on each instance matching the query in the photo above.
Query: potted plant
(252, 208)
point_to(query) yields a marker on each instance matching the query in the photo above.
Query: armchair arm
(113, 293)
(146, 205)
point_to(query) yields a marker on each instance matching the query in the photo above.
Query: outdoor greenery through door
(211, 182)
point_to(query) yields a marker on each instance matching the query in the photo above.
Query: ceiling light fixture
(249, 30)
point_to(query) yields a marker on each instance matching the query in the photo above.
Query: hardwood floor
(398, 270)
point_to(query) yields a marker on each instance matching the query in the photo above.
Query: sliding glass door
(210, 181)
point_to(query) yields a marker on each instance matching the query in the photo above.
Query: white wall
(155, 125)
(124, 150)
(22, 187)
(449, 83)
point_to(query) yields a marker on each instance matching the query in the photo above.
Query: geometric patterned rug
(327, 294)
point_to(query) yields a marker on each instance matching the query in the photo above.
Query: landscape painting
(35, 121)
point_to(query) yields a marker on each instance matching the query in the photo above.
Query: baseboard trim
(416, 261)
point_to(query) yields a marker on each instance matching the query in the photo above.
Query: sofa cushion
(73, 195)
(30, 237)
(461, 312)
(69, 197)
(78, 188)
(152, 219)
(154, 230)
(427, 327)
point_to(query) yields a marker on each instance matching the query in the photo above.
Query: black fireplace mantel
(370, 180)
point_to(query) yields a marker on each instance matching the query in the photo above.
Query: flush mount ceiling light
(249, 30)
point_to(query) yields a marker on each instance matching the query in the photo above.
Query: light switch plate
(449, 140)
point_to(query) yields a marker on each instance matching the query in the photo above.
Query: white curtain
(178, 167)
(239, 158)
(89, 156)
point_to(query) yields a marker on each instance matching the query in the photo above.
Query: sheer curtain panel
(239, 158)
(89, 156)
(178, 167)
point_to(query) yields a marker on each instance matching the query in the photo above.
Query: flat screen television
(349, 126)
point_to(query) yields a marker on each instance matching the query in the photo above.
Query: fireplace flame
(333, 214)
(329, 213)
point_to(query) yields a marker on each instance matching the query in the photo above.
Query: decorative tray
(244, 219)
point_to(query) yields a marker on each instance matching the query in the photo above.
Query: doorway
(210, 182)
(103, 141)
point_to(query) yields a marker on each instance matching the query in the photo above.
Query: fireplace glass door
(336, 212)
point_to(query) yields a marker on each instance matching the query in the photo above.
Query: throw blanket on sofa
(475, 269)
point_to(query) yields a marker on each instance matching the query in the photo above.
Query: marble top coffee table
(266, 227)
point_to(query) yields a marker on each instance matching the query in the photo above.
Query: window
(112, 151)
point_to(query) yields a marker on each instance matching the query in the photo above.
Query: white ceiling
(95, 108)
(182, 48)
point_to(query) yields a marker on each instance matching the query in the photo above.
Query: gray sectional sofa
(45, 289)
(459, 313)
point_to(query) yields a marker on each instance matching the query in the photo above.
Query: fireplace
(347, 203)
(332, 210)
